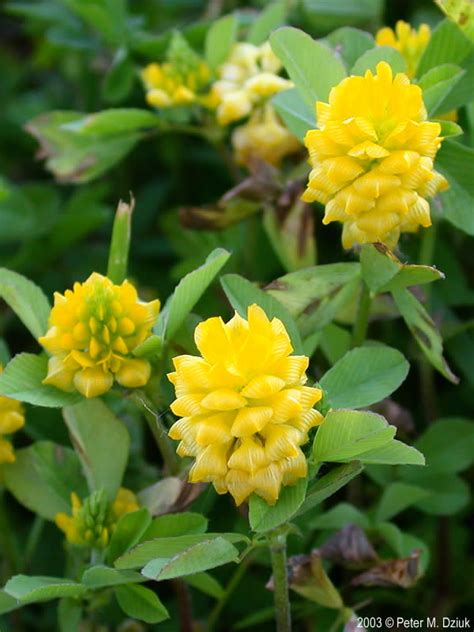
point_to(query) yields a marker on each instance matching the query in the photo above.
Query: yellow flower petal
(93, 382)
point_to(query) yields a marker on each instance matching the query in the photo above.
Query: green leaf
(23, 378)
(206, 584)
(185, 523)
(143, 553)
(119, 79)
(312, 288)
(7, 603)
(383, 272)
(350, 43)
(33, 478)
(372, 57)
(450, 129)
(264, 517)
(112, 122)
(242, 293)
(339, 516)
(196, 559)
(72, 152)
(312, 66)
(127, 532)
(393, 453)
(220, 39)
(292, 238)
(69, 614)
(329, 484)
(424, 331)
(141, 603)
(269, 19)
(33, 589)
(26, 299)
(454, 432)
(346, 435)
(364, 376)
(101, 442)
(436, 84)
(296, 114)
(447, 45)
(456, 203)
(396, 498)
(457, 162)
(461, 12)
(326, 15)
(449, 493)
(120, 242)
(98, 577)
(187, 293)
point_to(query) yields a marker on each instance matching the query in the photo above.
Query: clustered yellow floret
(94, 329)
(91, 523)
(372, 158)
(265, 137)
(411, 43)
(167, 86)
(247, 79)
(12, 418)
(244, 407)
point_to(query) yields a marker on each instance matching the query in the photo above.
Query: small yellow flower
(168, 87)
(92, 522)
(264, 136)
(244, 405)
(372, 158)
(93, 330)
(182, 80)
(407, 40)
(246, 80)
(12, 418)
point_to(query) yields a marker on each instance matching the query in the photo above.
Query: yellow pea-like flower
(411, 43)
(12, 418)
(168, 86)
(92, 522)
(372, 158)
(94, 329)
(265, 137)
(247, 79)
(244, 407)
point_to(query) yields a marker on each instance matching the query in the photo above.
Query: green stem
(361, 324)
(229, 589)
(280, 581)
(33, 540)
(159, 431)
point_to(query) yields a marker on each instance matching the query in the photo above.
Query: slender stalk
(160, 433)
(361, 324)
(280, 581)
(229, 589)
(33, 540)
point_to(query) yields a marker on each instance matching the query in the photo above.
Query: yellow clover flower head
(183, 79)
(94, 329)
(265, 137)
(246, 80)
(411, 43)
(244, 407)
(372, 158)
(91, 522)
(12, 418)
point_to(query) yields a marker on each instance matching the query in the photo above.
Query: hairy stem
(280, 581)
